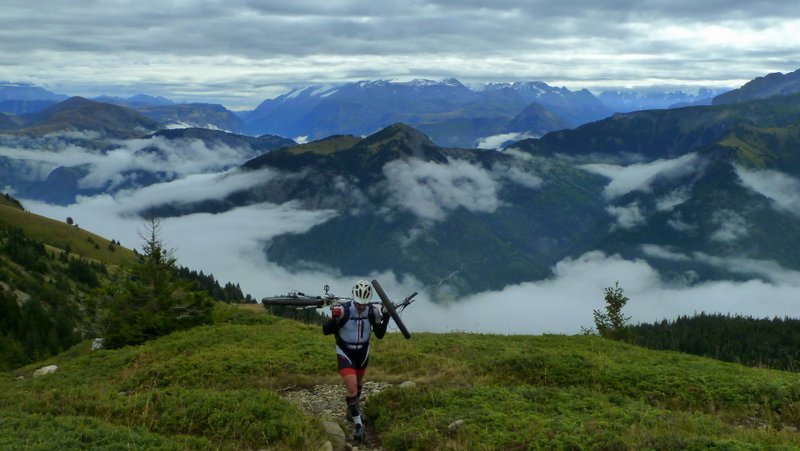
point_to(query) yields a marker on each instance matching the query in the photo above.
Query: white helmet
(362, 292)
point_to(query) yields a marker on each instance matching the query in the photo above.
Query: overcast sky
(240, 52)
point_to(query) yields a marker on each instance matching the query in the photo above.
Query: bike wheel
(291, 301)
(387, 304)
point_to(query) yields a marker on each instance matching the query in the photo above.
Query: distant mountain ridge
(446, 110)
(762, 87)
(194, 115)
(78, 113)
(451, 113)
(22, 98)
(25, 91)
(629, 100)
(136, 101)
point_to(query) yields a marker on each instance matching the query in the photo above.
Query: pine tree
(152, 302)
(613, 324)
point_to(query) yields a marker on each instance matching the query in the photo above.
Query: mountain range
(450, 113)
(699, 193)
(687, 190)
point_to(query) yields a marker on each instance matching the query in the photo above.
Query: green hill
(220, 386)
(60, 285)
(63, 236)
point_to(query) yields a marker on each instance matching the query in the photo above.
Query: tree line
(763, 342)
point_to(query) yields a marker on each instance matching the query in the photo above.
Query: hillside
(226, 386)
(60, 235)
(45, 284)
(60, 284)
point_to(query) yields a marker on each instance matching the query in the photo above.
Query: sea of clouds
(230, 245)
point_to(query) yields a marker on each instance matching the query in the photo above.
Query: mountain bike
(301, 300)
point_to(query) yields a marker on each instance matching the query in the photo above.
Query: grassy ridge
(61, 235)
(209, 387)
(216, 387)
(558, 392)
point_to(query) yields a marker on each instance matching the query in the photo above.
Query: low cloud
(782, 189)
(664, 253)
(564, 303)
(110, 169)
(680, 225)
(191, 189)
(432, 190)
(230, 246)
(518, 174)
(673, 199)
(640, 176)
(731, 226)
(627, 217)
(498, 141)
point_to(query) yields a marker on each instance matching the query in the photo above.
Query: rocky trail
(326, 402)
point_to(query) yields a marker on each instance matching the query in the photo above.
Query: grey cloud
(639, 177)
(176, 158)
(673, 198)
(564, 303)
(731, 226)
(497, 141)
(431, 190)
(664, 253)
(678, 224)
(244, 51)
(782, 189)
(626, 217)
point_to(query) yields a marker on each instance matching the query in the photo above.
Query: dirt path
(327, 403)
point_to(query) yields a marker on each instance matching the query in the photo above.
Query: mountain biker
(352, 323)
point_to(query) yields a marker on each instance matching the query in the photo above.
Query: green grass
(60, 235)
(217, 387)
(559, 392)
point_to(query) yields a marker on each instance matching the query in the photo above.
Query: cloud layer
(115, 167)
(231, 245)
(241, 52)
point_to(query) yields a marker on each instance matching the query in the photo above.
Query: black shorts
(352, 360)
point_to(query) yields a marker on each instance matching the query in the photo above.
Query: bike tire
(387, 304)
(291, 301)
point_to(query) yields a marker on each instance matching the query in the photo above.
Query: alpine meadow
(425, 225)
